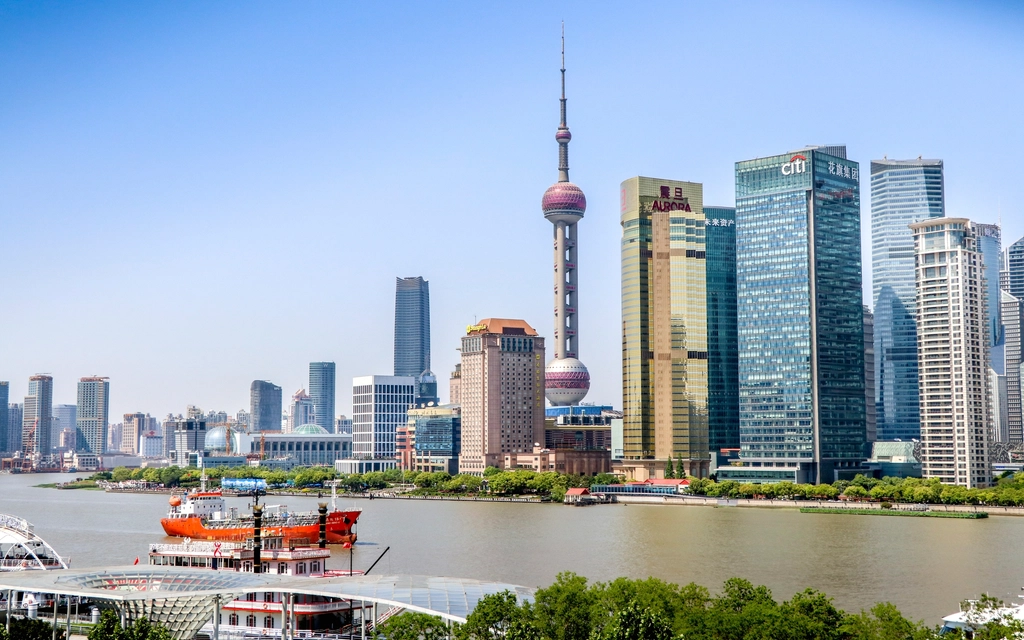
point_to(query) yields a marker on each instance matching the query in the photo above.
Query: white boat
(22, 550)
(977, 614)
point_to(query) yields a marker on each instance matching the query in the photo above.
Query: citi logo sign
(796, 164)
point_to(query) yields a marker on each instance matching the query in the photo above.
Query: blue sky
(194, 195)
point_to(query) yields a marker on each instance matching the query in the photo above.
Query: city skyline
(121, 166)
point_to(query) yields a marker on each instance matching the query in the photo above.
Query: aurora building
(799, 318)
(665, 327)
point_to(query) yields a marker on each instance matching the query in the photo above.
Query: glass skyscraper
(265, 404)
(321, 391)
(412, 326)
(5, 390)
(989, 241)
(665, 326)
(902, 192)
(37, 416)
(93, 414)
(723, 350)
(1015, 269)
(799, 318)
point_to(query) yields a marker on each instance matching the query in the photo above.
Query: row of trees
(651, 609)
(1008, 491)
(109, 628)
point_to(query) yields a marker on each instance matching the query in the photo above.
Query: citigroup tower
(799, 317)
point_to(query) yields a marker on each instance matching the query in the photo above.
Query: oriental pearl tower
(566, 379)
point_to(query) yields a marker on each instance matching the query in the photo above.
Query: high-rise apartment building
(321, 391)
(664, 325)
(952, 352)
(265, 406)
(134, 425)
(5, 396)
(65, 416)
(93, 414)
(412, 326)
(455, 385)
(37, 416)
(870, 421)
(502, 392)
(114, 437)
(563, 204)
(1015, 269)
(379, 405)
(15, 413)
(902, 192)
(343, 426)
(723, 349)
(301, 410)
(189, 440)
(989, 239)
(1011, 354)
(800, 318)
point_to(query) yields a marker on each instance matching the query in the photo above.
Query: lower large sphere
(566, 382)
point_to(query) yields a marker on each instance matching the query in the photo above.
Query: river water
(923, 565)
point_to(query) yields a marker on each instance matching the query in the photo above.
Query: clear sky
(194, 195)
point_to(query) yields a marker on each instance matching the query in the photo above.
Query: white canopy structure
(22, 550)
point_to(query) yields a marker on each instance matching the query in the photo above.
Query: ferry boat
(203, 515)
(261, 615)
(976, 615)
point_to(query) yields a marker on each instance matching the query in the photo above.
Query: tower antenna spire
(563, 136)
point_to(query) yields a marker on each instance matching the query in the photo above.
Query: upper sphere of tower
(563, 135)
(564, 196)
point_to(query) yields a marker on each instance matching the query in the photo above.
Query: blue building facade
(723, 348)
(799, 317)
(902, 192)
(321, 391)
(412, 326)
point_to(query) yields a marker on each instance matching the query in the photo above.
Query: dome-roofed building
(309, 430)
(216, 440)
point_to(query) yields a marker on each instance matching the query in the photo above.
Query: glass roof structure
(183, 599)
(22, 550)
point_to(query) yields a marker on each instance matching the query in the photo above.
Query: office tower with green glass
(800, 319)
(723, 350)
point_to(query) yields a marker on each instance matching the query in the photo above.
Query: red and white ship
(203, 515)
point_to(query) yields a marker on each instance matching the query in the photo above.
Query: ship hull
(338, 530)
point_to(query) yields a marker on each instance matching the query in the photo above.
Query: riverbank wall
(704, 501)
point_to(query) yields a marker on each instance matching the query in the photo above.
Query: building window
(314, 567)
(300, 569)
(250, 620)
(268, 622)
(282, 567)
(233, 619)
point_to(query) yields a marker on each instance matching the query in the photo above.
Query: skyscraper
(301, 410)
(870, 422)
(665, 347)
(800, 317)
(723, 350)
(65, 416)
(1015, 269)
(321, 391)
(1011, 352)
(989, 240)
(93, 414)
(566, 378)
(902, 192)
(952, 352)
(5, 396)
(265, 406)
(379, 405)
(15, 414)
(37, 416)
(502, 392)
(412, 326)
(134, 425)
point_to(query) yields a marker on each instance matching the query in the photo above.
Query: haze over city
(196, 196)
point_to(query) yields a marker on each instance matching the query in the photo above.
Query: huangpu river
(925, 566)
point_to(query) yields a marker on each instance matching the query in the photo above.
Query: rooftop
(502, 326)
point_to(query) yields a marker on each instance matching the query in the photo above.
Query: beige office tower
(502, 392)
(952, 352)
(133, 426)
(664, 327)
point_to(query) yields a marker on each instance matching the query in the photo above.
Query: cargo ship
(203, 515)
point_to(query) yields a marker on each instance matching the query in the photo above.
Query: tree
(120, 474)
(884, 622)
(28, 629)
(670, 471)
(565, 610)
(855, 492)
(493, 618)
(109, 628)
(636, 623)
(490, 471)
(413, 626)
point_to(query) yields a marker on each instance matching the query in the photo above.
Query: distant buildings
(455, 385)
(1015, 269)
(189, 441)
(664, 334)
(5, 395)
(134, 425)
(37, 415)
(301, 410)
(15, 413)
(1012, 313)
(431, 439)
(343, 425)
(379, 405)
(309, 445)
(265, 406)
(65, 416)
(412, 326)
(93, 414)
(870, 422)
(902, 192)
(321, 392)
(952, 352)
(723, 348)
(989, 238)
(502, 392)
(800, 318)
